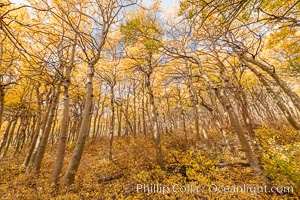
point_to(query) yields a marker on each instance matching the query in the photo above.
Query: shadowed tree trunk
(1, 103)
(119, 113)
(154, 120)
(196, 108)
(277, 98)
(112, 120)
(42, 146)
(239, 131)
(10, 137)
(293, 96)
(143, 110)
(134, 109)
(5, 135)
(65, 119)
(69, 176)
(40, 130)
(235, 124)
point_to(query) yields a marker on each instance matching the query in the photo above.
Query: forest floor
(193, 172)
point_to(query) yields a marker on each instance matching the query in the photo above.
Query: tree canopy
(103, 99)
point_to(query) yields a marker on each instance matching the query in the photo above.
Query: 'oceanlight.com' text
(213, 188)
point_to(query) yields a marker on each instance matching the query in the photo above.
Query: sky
(17, 1)
(166, 4)
(169, 8)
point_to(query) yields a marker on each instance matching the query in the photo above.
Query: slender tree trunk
(77, 128)
(239, 131)
(154, 120)
(112, 121)
(126, 115)
(42, 146)
(168, 114)
(32, 130)
(10, 137)
(184, 127)
(143, 110)
(134, 110)
(94, 132)
(128, 124)
(2, 94)
(246, 115)
(5, 135)
(236, 126)
(294, 97)
(55, 127)
(196, 108)
(119, 113)
(64, 129)
(72, 130)
(242, 100)
(139, 128)
(16, 138)
(99, 123)
(22, 134)
(65, 119)
(36, 130)
(69, 176)
(277, 98)
(166, 123)
(41, 130)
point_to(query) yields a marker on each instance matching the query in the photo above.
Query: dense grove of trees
(81, 71)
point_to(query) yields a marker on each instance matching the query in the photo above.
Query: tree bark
(143, 110)
(69, 176)
(235, 123)
(5, 135)
(42, 146)
(119, 113)
(2, 94)
(10, 137)
(154, 120)
(112, 121)
(277, 98)
(134, 109)
(293, 96)
(65, 119)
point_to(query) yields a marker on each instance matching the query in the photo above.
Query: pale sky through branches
(166, 4)
(169, 8)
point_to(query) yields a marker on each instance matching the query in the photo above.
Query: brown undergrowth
(192, 171)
